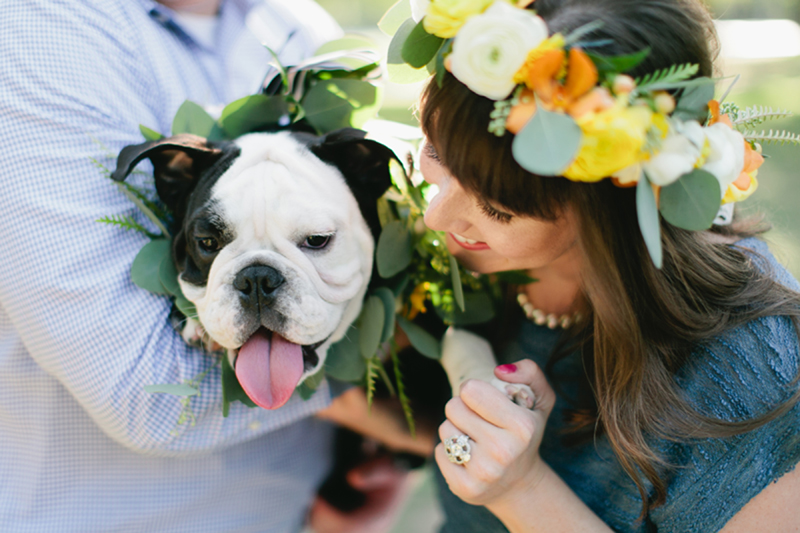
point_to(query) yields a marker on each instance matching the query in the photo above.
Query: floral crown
(575, 114)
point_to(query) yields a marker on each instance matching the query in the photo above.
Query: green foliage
(773, 137)
(649, 225)
(401, 392)
(548, 143)
(692, 202)
(664, 79)
(126, 223)
(394, 17)
(693, 103)
(147, 264)
(752, 116)
(617, 64)
(420, 339)
(420, 47)
(232, 390)
(394, 250)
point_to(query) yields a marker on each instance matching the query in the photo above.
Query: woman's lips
(469, 244)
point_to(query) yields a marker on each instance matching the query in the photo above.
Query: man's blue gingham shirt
(82, 446)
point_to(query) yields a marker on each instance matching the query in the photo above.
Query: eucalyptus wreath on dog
(336, 88)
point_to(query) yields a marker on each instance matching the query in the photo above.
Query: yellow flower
(417, 300)
(556, 42)
(445, 17)
(612, 140)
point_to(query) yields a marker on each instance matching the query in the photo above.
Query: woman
(671, 403)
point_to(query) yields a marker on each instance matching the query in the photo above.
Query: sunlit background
(759, 40)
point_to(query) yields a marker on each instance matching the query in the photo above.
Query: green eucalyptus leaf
(403, 74)
(149, 135)
(395, 249)
(147, 263)
(420, 47)
(185, 306)
(394, 54)
(168, 275)
(388, 300)
(649, 225)
(351, 41)
(252, 113)
(232, 390)
(340, 103)
(191, 118)
(693, 103)
(692, 202)
(421, 340)
(397, 14)
(173, 389)
(548, 143)
(370, 326)
(617, 64)
(310, 385)
(479, 309)
(458, 289)
(514, 277)
(344, 361)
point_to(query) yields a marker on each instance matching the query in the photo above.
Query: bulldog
(274, 235)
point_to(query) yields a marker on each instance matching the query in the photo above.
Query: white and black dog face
(274, 243)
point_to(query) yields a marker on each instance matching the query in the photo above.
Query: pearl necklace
(551, 320)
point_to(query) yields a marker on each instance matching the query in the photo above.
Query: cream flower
(725, 159)
(679, 154)
(444, 18)
(419, 8)
(490, 48)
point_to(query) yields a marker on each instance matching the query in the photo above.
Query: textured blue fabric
(739, 375)
(84, 447)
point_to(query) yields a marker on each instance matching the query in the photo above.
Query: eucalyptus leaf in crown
(576, 114)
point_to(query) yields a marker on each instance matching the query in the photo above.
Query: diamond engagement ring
(457, 449)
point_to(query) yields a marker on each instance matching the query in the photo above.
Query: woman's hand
(504, 437)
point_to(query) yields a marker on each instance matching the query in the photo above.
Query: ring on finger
(458, 449)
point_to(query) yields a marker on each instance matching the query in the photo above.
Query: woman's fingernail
(507, 369)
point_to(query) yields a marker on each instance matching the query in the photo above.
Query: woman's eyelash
(430, 151)
(494, 214)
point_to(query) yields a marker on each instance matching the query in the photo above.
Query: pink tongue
(269, 369)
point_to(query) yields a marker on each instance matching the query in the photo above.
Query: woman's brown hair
(646, 321)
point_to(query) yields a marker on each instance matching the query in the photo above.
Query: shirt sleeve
(739, 376)
(75, 83)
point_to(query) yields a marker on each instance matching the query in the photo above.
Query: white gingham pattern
(82, 446)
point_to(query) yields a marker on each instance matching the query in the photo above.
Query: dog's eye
(208, 244)
(317, 241)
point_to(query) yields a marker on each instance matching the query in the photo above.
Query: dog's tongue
(268, 368)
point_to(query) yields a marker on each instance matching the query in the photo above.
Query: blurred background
(759, 40)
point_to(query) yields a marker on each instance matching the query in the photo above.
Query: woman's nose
(446, 209)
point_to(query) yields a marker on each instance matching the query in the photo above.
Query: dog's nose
(256, 283)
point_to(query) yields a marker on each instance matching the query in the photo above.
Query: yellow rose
(445, 17)
(612, 140)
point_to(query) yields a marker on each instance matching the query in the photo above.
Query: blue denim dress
(738, 375)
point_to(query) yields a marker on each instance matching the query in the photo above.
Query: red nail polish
(507, 369)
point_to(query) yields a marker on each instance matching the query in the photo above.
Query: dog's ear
(364, 163)
(178, 163)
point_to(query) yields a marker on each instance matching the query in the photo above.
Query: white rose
(419, 8)
(726, 154)
(491, 47)
(677, 157)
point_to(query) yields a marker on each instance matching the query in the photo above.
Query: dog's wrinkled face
(274, 250)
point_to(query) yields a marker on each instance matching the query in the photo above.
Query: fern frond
(371, 376)
(104, 169)
(405, 403)
(157, 210)
(662, 79)
(386, 380)
(775, 137)
(133, 197)
(126, 223)
(752, 116)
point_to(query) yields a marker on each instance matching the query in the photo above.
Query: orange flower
(542, 76)
(713, 107)
(746, 183)
(522, 112)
